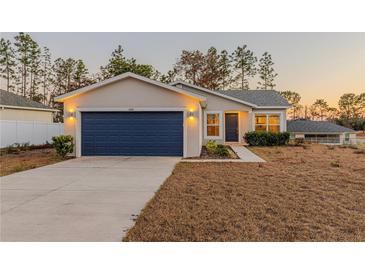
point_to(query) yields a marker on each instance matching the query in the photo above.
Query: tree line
(350, 111)
(30, 71)
(222, 70)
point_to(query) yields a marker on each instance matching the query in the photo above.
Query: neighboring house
(322, 132)
(360, 137)
(15, 107)
(25, 121)
(133, 115)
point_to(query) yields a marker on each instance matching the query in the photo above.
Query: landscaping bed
(309, 193)
(212, 150)
(205, 154)
(27, 159)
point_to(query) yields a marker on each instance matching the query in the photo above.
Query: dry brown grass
(11, 163)
(301, 194)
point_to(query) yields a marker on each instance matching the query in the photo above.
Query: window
(323, 138)
(213, 125)
(267, 122)
(261, 122)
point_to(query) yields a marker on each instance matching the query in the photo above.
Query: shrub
(221, 150)
(254, 138)
(63, 145)
(211, 146)
(283, 138)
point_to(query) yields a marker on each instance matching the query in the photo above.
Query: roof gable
(120, 77)
(12, 100)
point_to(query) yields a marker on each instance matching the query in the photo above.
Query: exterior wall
(132, 95)
(246, 113)
(352, 139)
(26, 115)
(217, 103)
(243, 126)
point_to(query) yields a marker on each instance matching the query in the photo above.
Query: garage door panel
(132, 133)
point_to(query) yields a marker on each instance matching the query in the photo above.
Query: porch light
(191, 115)
(70, 114)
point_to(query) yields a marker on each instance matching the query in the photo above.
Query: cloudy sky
(317, 65)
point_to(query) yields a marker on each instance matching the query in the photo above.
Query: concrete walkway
(246, 155)
(84, 199)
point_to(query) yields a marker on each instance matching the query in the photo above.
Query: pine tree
(7, 63)
(266, 72)
(211, 77)
(244, 62)
(225, 68)
(46, 72)
(190, 66)
(169, 77)
(319, 109)
(23, 44)
(211, 70)
(80, 76)
(35, 72)
(119, 64)
(293, 98)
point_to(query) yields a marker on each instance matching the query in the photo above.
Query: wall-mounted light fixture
(70, 114)
(190, 114)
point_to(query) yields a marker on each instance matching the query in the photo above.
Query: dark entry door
(231, 127)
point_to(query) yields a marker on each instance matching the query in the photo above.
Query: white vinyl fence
(32, 132)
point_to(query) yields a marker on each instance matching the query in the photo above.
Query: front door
(231, 127)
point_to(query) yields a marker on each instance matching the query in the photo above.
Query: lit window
(213, 122)
(267, 122)
(261, 122)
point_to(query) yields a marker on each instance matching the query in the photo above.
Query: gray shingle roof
(315, 126)
(11, 99)
(261, 98)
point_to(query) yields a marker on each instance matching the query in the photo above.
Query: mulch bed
(206, 155)
(312, 193)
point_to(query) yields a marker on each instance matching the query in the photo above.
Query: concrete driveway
(84, 199)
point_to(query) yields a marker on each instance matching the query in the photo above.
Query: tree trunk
(242, 79)
(8, 80)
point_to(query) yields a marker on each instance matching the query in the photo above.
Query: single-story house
(322, 132)
(14, 107)
(133, 115)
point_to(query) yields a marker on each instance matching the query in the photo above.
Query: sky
(316, 65)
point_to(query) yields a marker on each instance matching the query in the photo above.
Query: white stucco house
(133, 115)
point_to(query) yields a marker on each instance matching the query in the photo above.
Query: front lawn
(309, 193)
(11, 163)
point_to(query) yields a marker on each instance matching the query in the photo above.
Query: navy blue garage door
(132, 133)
